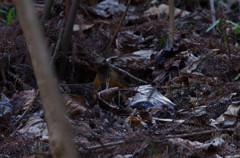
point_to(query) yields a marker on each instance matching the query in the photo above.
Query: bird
(106, 77)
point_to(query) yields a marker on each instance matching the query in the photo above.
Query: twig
(105, 145)
(126, 141)
(92, 137)
(57, 46)
(119, 25)
(110, 144)
(128, 74)
(200, 133)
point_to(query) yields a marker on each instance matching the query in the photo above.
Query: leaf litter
(196, 82)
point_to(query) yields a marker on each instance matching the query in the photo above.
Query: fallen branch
(106, 145)
(200, 133)
(111, 144)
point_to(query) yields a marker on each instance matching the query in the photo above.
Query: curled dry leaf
(212, 145)
(136, 121)
(35, 126)
(163, 8)
(128, 39)
(229, 117)
(107, 8)
(22, 100)
(5, 114)
(84, 27)
(149, 97)
(75, 104)
(141, 58)
(105, 96)
(108, 94)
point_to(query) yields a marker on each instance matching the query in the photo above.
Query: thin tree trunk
(60, 140)
(67, 35)
(213, 15)
(171, 22)
(47, 10)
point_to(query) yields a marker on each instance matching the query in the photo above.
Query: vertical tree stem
(60, 140)
(171, 22)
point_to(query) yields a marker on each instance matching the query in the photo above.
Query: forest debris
(118, 27)
(136, 121)
(163, 8)
(232, 156)
(212, 145)
(83, 27)
(75, 104)
(207, 132)
(108, 94)
(166, 54)
(5, 114)
(35, 126)
(129, 75)
(207, 80)
(148, 97)
(138, 60)
(229, 117)
(108, 8)
(22, 100)
(167, 120)
(128, 39)
(105, 96)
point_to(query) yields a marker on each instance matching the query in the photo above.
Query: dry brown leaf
(136, 121)
(75, 104)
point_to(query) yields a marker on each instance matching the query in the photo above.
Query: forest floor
(180, 102)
